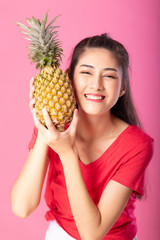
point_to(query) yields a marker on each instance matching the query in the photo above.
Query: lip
(94, 97)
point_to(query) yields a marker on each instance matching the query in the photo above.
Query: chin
(94, 112)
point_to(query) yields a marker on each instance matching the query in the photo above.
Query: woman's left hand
(60, 142)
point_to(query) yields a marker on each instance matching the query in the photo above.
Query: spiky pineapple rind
(53, 91)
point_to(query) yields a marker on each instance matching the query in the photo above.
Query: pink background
(132, 22)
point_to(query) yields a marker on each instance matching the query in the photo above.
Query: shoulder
(137, 135)
(138, 141)
(131, 133)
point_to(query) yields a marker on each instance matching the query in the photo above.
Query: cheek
(113, 89)
(118, 88)
(79, 84)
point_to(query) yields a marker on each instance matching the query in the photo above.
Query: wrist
(68, 158)
(40, 140)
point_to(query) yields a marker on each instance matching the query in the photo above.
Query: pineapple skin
(54, 92)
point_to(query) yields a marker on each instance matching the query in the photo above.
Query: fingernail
(34, 111)
(76, 111)
(44, 110)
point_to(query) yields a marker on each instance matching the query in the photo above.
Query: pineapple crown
(44, 49)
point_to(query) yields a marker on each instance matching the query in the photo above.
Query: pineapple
(53, 89)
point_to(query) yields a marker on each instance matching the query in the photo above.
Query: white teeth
(94, 97)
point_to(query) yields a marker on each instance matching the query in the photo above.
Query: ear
(122, 92)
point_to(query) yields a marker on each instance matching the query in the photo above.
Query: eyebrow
(106, 69)
(86, 65)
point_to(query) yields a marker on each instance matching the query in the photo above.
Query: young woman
(97, 166)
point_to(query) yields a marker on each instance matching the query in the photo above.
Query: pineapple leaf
(34, 32)
(22, 26)
(43, 24)
(49, 25)
(29, 21)
(38, 65)
(44, 21)
(36, 24)
(45, 48)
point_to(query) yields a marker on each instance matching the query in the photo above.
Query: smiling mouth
(94, 97)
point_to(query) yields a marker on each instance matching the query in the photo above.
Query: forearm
(85, 212)
(26, 191)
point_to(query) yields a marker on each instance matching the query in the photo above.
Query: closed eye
(110, 76)
(84, 72)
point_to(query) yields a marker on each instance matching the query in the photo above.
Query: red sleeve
(33, 140)
(132, 172)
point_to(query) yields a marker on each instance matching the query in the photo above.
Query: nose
(97, 83)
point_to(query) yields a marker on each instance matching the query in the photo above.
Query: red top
(124, 161)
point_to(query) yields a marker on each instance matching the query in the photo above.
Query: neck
(91, 126)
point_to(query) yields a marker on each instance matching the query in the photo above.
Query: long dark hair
(124, 108)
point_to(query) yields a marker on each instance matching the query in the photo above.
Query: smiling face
(97, 81)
